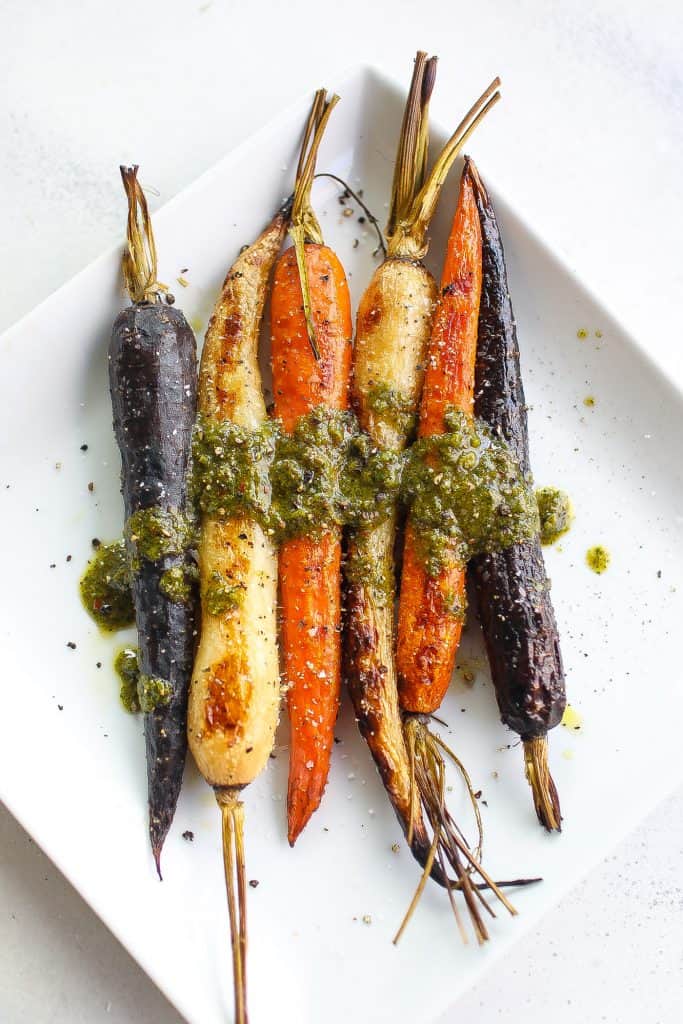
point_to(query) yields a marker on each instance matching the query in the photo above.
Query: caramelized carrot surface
(431, 608)
(310, 566)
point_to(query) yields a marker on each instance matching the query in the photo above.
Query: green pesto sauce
(139, 692)
(456, 604)
(126, 667)
(555, 513)
(598, 558)
(153, 533)
(105, 588)
(221, 596)
(230, 469)
(467, 494)
(327, 473)
(153, 692)
(393, 408)
(306, 474)
(176, 584)
(374, 574)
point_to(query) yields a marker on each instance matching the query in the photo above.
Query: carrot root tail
(302, 802)
(546, 800)
(426, 751)
(232, 818)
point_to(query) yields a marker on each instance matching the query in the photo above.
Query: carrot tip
(156, 851)
(301, 805)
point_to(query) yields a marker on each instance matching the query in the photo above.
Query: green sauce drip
(392, 408)
(230, 469)
(555, 513)
(176, 584)
(139, 692)
(126, 667)
(154, 533)
(598, 558)
(153, 692)
(105, 588)
(467, 494)
(220, 596)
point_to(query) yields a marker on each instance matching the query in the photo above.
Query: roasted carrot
(153, 385)
(432, 603)
(392, 332)
(311, 357)
(392, 326)
(235, 692)
(513, 592)
(431, 606)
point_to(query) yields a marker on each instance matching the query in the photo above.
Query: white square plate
(72, 762)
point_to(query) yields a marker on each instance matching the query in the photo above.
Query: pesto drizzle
(393, 408)
(105, 588)
(467, 494)
(220, 596)
(176, 583)
(128, 671)
(555, 512)
(153, 692)
(139, 692)
(231, 468)
(327, 473)
(155, 533)
(465, 491)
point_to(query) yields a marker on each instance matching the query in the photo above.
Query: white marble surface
(589, 147)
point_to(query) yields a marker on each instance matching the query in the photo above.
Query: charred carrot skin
(153, 388)
(234, 695)
(152, 373)
(392, 336)
(310, 566)
(513, 591)
(391, 340)
(431, 607)
(235, 692)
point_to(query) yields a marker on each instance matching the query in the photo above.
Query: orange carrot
(431, 607)
(311, 359)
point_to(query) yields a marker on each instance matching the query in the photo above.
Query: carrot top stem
(423, 138)
(546, 800)
(411, 157)
(408, 235)
(139, 262)
(304, 225)
(232, 816)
